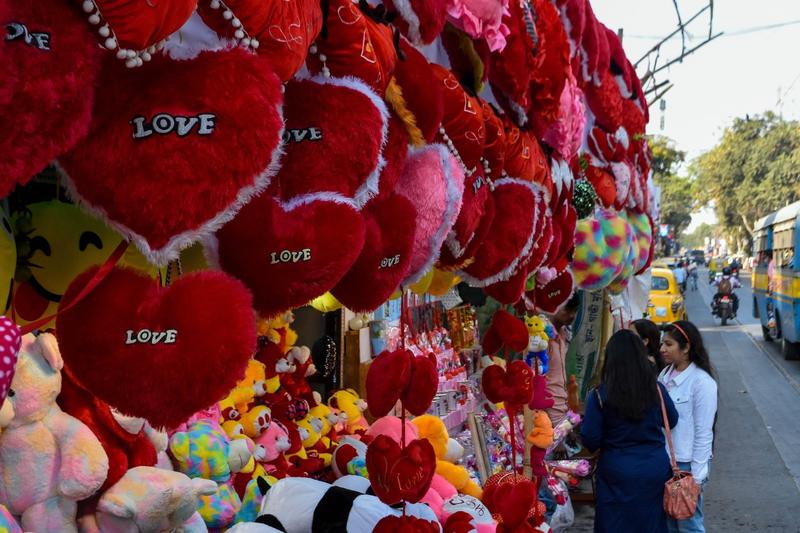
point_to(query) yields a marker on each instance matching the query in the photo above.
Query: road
(755, 473)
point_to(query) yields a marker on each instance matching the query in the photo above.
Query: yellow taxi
(666, 303)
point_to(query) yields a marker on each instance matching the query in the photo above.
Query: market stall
(290, 265)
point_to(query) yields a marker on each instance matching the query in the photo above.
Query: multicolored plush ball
(643, 234)
(590, 263)
(621, 282)
(584, 198)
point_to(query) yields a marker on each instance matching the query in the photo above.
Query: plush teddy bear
(447, 451)
(541, 436)
(329, 421)
(313, 442)
(270, 448)
(353, 406)
(296, 383)
(537, 341)
(256, 420)
(49, 460)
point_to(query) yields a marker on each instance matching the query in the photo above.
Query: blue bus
(776, 278)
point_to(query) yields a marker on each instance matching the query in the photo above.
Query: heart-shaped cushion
(511, 67)
(10, 341)
(512, 234)
(282, 30)
(513, 386)
(354, 43)
(388, 367)
(472, 225)
(423, 94)
(215, 146)
(325, 119)
(136, 26)
(505, 331)
(400, 474)
(508, 292)
(54, 60)
(552, 295)
(511, 502)
(290, 254)
(422, 385)
(158, 353)
(494, 149)
(406, 524)
(419, 20)
(434, 182)
(383, 263)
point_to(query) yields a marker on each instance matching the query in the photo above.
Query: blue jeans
(695, 523)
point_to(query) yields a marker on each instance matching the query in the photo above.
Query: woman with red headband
(690, 381)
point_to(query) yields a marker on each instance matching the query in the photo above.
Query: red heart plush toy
(400, 475)
(400, 375)
(551, 296)
(158, 353)
(290, 254)
(512, 502)
(405, 524)
(514, 387)
(505, 331)
(50, 62)
(216, 146)
(326, 118)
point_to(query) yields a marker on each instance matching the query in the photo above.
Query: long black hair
(686, 334)
(648, 330)
(627, 375)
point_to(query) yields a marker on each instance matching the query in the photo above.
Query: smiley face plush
(61, 242)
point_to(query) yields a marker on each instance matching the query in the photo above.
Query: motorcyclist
(725, 286)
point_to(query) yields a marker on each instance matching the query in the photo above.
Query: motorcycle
(724, 309)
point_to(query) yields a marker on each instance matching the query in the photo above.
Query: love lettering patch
(17, 31)
(164, 124)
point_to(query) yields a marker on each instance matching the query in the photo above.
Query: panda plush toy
(304, 505)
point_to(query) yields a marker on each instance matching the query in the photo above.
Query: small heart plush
(514, 386)
(216, 146)
(422, 385)
(278, 30)
(10, 341)
(512, 234)
(158, 353)
(472, 225)
(510, 291)
(389, 367)
(325, 119)
(505, 331)
(50, 62)
(405, 524)
(391, 222)
(511, 501)
(400, 475)
(552, 295)
(423, 94)
(290, 254)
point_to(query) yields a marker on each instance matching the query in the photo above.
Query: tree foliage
(697, 239)
(676, 191)
(754, 170)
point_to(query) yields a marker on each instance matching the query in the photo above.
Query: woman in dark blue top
(623, 420)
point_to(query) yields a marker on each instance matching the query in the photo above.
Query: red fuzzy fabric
(542, 398)
(567, 217)
(284, 30)
(574, 11)
(406, 524)
(590, 47)
(209, 177)
(494, 151)
(331, 231)
(386, 256)
(400, 474)
(419, 20)
(511, 235)
(619, 61)
(473, 223)
(124, 450)
(512, 501)
(462, 62)
(48, 109)
(163, 383)
(605, 102)
(603, 183)
(354, 45)
(460, 522)
(506, 331)
(525, 159)
(395, 154)
(423, 93)
(550, 297)
(544, 240)
(422, 385)
(388, 367)
(514, 387)
(347, 114)
(140, 25)
(511, 68)
(510, 291)
(463, 119)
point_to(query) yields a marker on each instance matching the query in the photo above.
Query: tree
(676, 191)
(698, 237)
(754, 170)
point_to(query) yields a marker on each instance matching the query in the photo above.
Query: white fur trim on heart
(407, 13)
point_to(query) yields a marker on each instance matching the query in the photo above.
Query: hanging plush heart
(216, 146)
(325, 119)
(510, 291)
(551, 296)
(494, 149)
(514, 387)
(419, 20)
(400, 474)
(278, 30)
(567, 217)
(511, 68)
(423, 94)
(505, 331)
(289, 254)
(50, 62)
(10, 341)
(133, 30)
(406, 524)
(388, 367)
(395, 153)
(511, 236)
(472, 225)
(384, 260)
(422, 385)
(356, 41)
(158, 353)
(511, 502)
(433, 181)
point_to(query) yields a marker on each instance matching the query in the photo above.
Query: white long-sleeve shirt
(694, 393)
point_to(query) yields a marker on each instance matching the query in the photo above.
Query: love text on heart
(388, 262)
(17, 31)
(145, 336)
(298, 135)
(290, 256)
(163, 124)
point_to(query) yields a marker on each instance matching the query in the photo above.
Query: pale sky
(741, 72)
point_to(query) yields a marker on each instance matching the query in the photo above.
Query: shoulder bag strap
(668, 431)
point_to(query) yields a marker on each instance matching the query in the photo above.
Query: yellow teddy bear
(348, 402)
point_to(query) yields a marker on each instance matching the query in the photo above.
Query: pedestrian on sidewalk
(651, 336)
(689, 378)
(624, 421)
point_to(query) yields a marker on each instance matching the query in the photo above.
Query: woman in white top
(690, 381)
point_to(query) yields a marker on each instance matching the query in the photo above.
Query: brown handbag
(681, 492)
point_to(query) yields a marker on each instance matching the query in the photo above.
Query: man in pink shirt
(557, 352)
